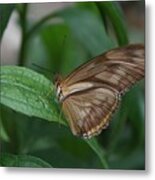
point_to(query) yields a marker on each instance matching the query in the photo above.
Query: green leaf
(28, 92)
(113, 11)
(5, 12)
(9, 160)
(82, 24)
(43, 138)
(25, 91)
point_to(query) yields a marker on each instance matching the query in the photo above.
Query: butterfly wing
(91, 93)
(118, 68)
(88, 113)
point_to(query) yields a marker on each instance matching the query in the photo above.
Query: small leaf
(9, 160)
(28, 92)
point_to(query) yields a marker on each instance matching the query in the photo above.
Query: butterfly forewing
(132, 55)
(90, 94)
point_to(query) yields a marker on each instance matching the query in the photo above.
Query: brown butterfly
(91, 93)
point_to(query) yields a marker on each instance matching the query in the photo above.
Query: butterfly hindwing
(89, 113)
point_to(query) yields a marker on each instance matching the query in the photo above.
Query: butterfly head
(59, 92)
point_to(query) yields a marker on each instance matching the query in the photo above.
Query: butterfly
(92, 92)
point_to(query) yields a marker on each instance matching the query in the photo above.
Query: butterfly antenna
(42, 68)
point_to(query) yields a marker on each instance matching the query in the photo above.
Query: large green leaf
(5, 12)
(28, 92)
(10, 160)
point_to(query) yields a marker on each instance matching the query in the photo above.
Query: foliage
(32, 124)
(22, 161)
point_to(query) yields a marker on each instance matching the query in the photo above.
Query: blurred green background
(58, 37)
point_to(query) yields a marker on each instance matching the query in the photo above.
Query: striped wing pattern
(91, 93)
(89, 113)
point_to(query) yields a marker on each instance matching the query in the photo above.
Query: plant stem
(27, 34)
(115, 14)
(98, 150)
(23, 22)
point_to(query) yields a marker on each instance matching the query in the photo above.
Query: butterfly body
(91, 93)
